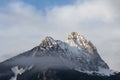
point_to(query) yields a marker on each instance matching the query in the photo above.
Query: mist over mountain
(54, 59)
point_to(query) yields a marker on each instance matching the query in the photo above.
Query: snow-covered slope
(76, 53)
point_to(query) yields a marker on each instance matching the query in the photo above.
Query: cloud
(44, 62)
(22, 26)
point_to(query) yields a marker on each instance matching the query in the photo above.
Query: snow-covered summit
(48, 42)
(79, 41)
(74, 40)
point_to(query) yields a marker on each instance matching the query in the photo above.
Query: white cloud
(22, 27)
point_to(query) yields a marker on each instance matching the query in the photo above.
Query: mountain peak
(79, 41)
(73, 35)
(55, 54)
(48, 42)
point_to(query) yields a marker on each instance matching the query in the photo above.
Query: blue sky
(24, 23)
(42, 4)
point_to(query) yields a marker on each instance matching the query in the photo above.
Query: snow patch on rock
(18, 71)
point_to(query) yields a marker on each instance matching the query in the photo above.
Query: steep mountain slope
(76, 54)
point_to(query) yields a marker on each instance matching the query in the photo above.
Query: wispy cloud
(22, 26)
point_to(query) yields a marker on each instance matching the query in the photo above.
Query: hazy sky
(24, 23)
